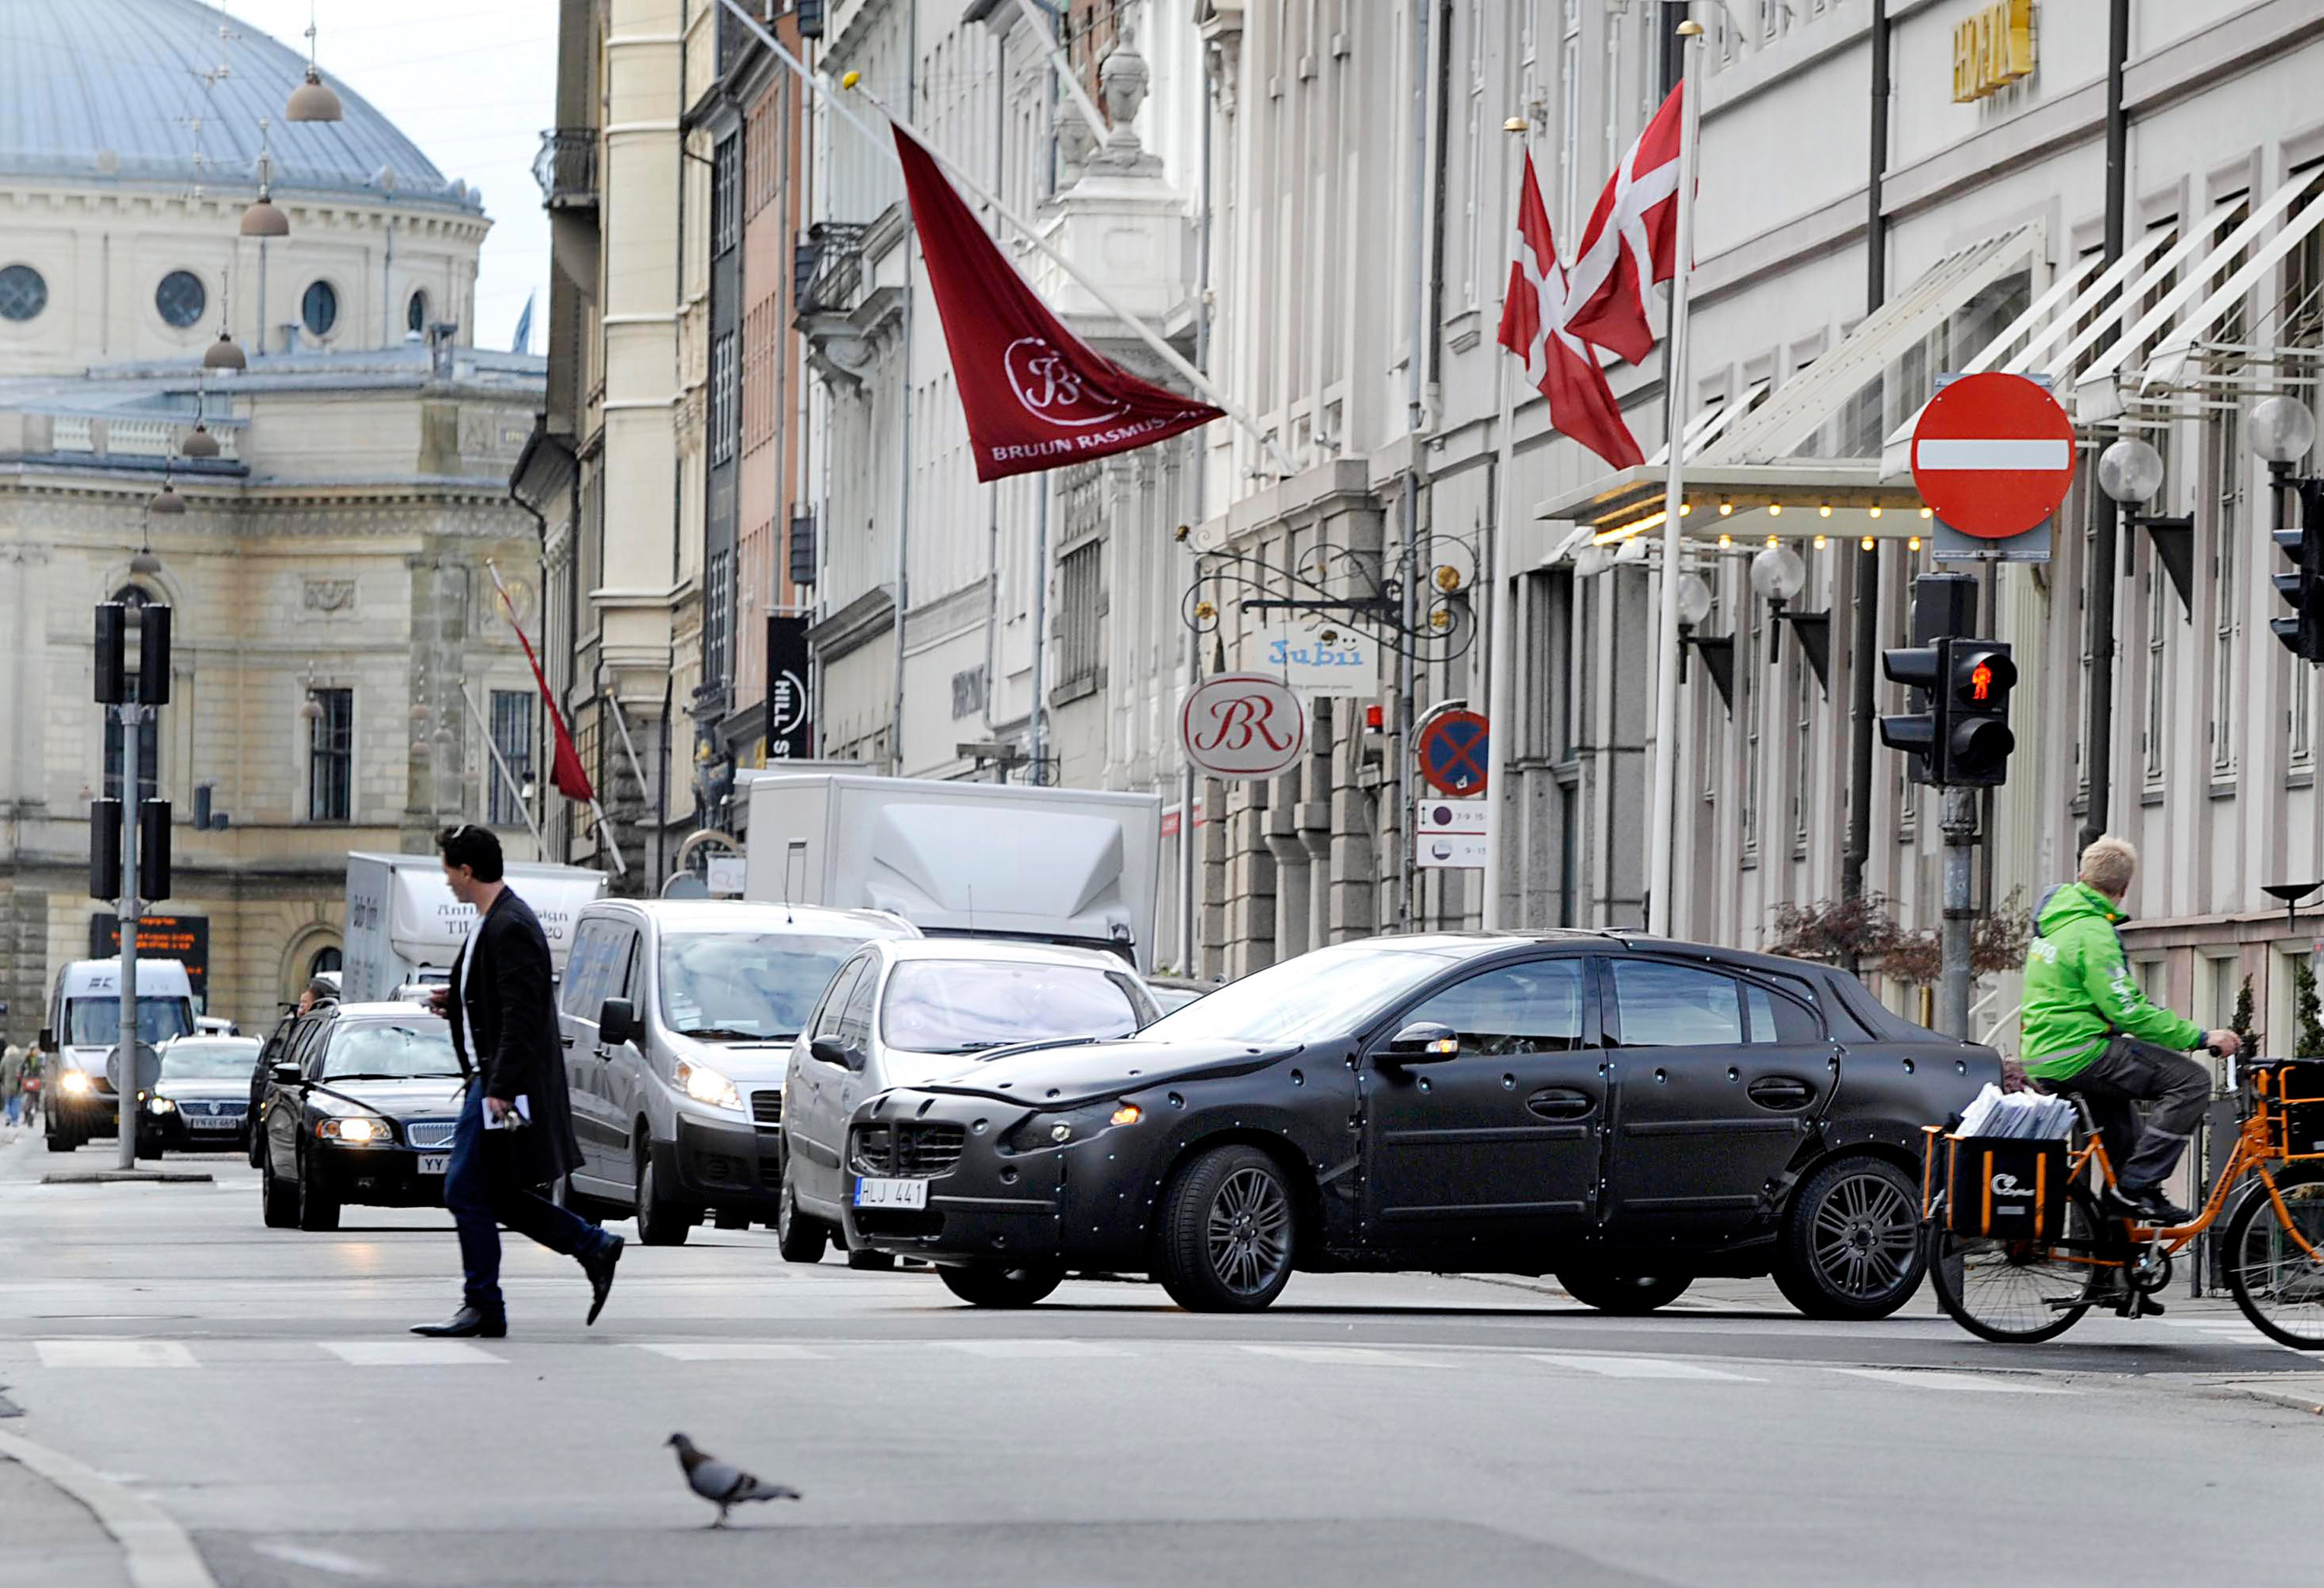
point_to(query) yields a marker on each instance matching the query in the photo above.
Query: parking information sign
(1453, 753)
(1450, 835)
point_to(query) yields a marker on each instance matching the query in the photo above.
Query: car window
(591, 967)
(303, 1047)
(1660, 1005)
(223, 1058)
(1774, 1018)
(967, 1005)
(390, 1050)
(1530, 1008)
(1319, 993)
(835, 996)
(746, 983)
(855, 1019)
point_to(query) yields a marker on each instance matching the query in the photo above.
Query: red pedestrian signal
(1980, 681)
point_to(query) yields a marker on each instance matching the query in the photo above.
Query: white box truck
(1056, 866)
(405, 927)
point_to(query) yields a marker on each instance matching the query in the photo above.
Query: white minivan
(677, 1017)
(84, 1025)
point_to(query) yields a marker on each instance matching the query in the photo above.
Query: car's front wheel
(318, 1210)
(798, 1237)
(661, 1220)
(1623, 1293)
(992, 1283)
(1851, 1245)
(278, 1203)
(1228, 1233)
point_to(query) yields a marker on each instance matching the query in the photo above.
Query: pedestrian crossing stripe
(730, 1351)
(113, 1353)
(1973, 1383)
(1640, 1366)
(1365, 1356)
(413, 1353)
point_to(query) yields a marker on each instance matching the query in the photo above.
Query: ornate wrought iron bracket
(1363, 591)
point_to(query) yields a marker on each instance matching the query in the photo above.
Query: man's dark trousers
(2130, 1072)
(481, 1196)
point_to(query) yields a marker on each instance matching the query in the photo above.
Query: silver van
(678, 1018)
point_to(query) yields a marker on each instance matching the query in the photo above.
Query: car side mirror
(286, 1075)
(831, 1050)
(617, 1021)
(47, 1040)
(1423, 1042)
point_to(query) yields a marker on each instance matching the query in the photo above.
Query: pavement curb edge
(155, 1551)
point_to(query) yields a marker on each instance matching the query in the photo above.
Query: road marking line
(1975, 1383)
(1035, 1350)
(1640, 1366)
(729, 1351)
(1365, 1356)
(320, 1560)
(115, 1353)
(411, 1354)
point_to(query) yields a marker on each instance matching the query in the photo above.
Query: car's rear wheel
(317, 1210)
(1622, 1292)
(62, 1142)
(1229, 1231)
(798, 1237)
(661, 1220)
(1851, 1246)
(992, 1283)
(277, 1202)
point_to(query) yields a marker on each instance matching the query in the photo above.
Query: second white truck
(405, 927)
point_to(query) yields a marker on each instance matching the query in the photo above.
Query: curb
(129, 1177)
(2300, 1392)
(155, 1551)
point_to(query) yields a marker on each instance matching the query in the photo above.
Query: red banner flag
(1532, 327)
(1035, 396)
(565, 773)
(1632, 240)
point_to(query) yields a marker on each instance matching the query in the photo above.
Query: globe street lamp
(2130, 472)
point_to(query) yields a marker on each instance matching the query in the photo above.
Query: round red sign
(1243, 725)
(1993, 455)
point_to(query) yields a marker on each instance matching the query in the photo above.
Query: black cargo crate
(2295, 1096)
(2005, 1186)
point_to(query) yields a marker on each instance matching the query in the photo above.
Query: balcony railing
(827, 268)
(567, 168)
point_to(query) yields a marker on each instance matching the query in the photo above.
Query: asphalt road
(260, 1388)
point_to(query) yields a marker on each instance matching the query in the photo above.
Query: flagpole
(1661, 838)
(1063, 69)
(516, 792)
(605, 827)
(1500, 641)
(976, 190)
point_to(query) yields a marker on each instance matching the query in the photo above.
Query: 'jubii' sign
(1243, 725)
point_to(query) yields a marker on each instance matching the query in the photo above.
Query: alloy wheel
(1249, 1230)
(1865, 1234)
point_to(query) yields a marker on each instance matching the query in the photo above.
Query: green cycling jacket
(2079, 989)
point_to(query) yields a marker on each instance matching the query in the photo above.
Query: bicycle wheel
(2022, 1292)
(2279, 1287)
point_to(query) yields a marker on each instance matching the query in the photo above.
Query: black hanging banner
(790, 712)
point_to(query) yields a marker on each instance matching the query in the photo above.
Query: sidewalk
(48, 1539)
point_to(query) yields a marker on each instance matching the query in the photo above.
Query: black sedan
(360, 1107)
(201, 1100)
(1625, 1112)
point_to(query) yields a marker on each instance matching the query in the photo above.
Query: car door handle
(1558, 1103)
(1781, 1092)
(567, 1040)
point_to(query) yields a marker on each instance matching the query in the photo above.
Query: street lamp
(2130, 472)
(2282, 431)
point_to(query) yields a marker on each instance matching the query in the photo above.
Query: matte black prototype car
(360, 1105)
(1625, 1112)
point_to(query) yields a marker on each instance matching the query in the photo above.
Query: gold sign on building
(1992, 48)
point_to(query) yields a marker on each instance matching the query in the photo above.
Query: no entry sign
(1993, 455)
(1452, 753)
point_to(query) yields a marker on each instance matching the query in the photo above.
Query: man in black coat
(515, 1133)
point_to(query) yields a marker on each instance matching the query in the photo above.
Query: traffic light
(104, 849)
(153, 655)
(2303, 632)
(1916, 733)
(152, 850)
(1973, 714)
(112, 652)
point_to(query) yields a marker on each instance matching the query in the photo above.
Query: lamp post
(2130, 472)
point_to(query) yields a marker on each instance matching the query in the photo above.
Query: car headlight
(163, 1106)
(355, 1129)
(1064, 1129)
(705, 1084)
(75, 1082)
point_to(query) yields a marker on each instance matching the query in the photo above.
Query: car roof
(386, 1009)
(1010, 950)
(714, 915)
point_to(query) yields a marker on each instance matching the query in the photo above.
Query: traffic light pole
(1956, 979)
(126, 912)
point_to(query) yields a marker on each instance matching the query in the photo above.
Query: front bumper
(176, 1130)
(730, 1164)
(376, 1175)
(87, 1114)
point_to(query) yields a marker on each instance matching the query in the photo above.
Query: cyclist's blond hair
(2108, 864)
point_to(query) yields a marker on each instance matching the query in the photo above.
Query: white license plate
(214, 1122)
(876, 1193)
(435, 1163)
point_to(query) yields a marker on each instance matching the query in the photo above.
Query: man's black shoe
(467, 1323)
(600, 1269)
(2147, 1205)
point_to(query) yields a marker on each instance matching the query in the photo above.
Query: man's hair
(2108, 864)
(477, 848)
(322, 991)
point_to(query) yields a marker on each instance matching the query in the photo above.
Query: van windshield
(96, 1021)
(746, 987)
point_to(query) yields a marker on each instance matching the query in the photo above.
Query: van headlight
(75, 1082)
(705, 1084)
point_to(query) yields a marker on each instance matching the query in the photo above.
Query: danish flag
(1534, 326)
(1631, 241)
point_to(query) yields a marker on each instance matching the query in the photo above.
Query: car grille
(429, 1135)
(767, 1108)
(210, 1110)
(911, 1148)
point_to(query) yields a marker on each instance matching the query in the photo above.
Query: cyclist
(2090, 1032)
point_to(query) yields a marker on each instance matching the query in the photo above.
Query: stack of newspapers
(2028, 1116)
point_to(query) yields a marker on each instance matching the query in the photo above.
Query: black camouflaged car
(1624, 1113)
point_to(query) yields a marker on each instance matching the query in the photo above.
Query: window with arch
(23, 292)
(326, 960)
(180, 297)
(415, 314)
(319, 309)
(135, 597)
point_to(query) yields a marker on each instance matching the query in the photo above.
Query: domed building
(276, 423)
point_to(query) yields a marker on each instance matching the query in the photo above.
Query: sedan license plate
(435, 1163)
(882, 1192)
(214, 1122)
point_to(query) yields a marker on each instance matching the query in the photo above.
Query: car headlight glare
(705, 1084)
(74, 1082)
(356, 1129)
(165, 1105)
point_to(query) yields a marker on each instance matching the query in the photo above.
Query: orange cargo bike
(2018, 1250)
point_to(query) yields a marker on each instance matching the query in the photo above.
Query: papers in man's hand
(523, 1115)
(2027, 1116)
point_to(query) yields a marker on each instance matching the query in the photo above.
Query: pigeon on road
(722, 1484)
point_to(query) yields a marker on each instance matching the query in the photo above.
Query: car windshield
(96, 1021)
(222, 1060)
(966, 1005)
(746, 985)
(390, 1050)
(1329, 992)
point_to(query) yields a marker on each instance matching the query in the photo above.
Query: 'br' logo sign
(1243, 725)
(1052, 390)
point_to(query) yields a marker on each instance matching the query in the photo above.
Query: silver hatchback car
(904, 1011)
